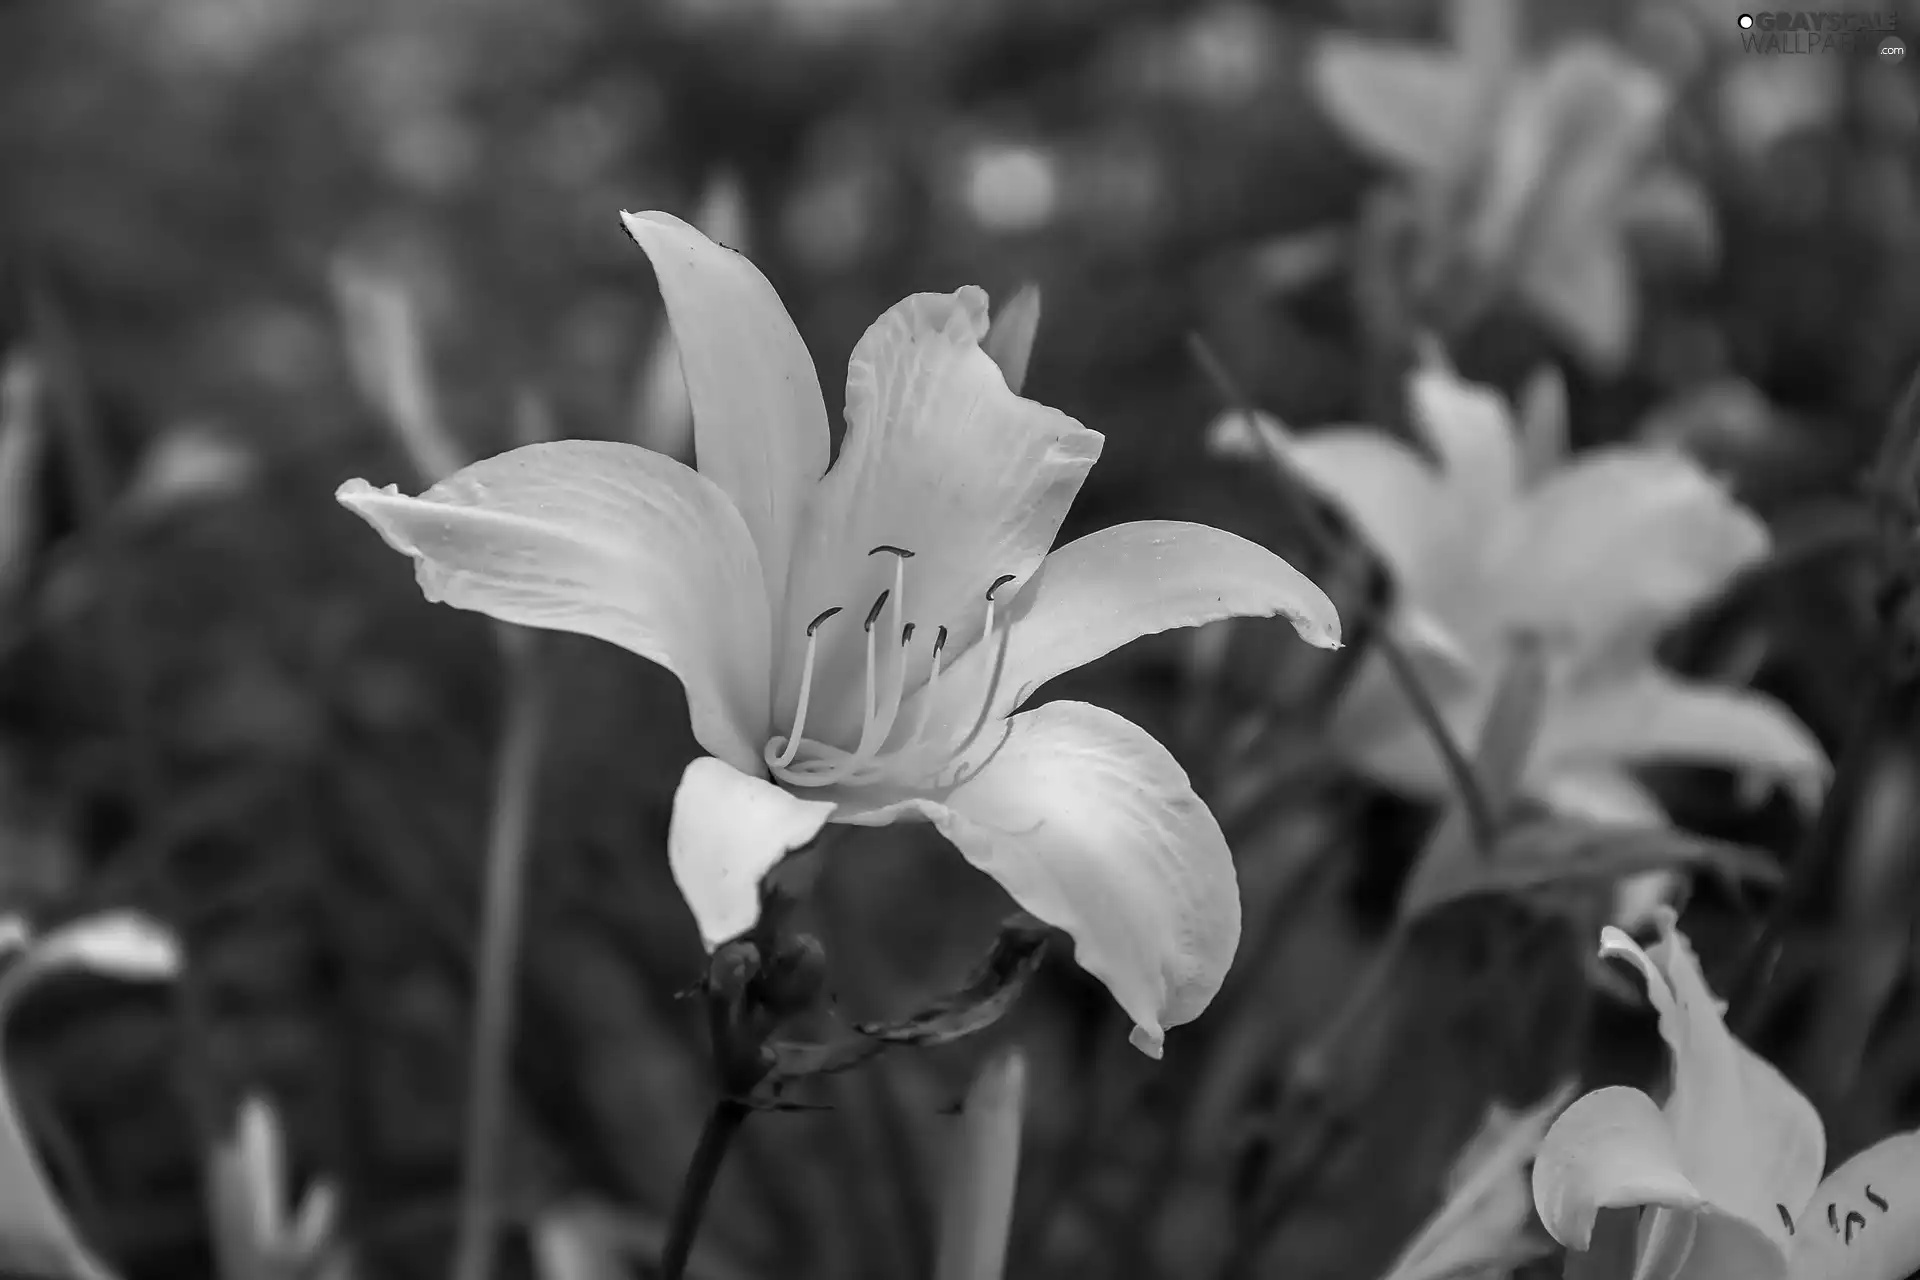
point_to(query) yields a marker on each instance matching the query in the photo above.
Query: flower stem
(1326, 540)
(516, 772)
(723, 1123)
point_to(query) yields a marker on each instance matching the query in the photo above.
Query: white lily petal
(1611, 1149)
(1863, 1222)
(760, 424)
(605, 540)
(1105, 589)
(1093, 827)
(1583, 285)
(1410, 106)
(1621, 534)
(1750, 1141)
(1473, 432)
(35, 1236)
(1009, 342)
(1653, 717)
(939, 459)
(263, 1158)
(1380, 737)
(727, 831)
(1392, 493)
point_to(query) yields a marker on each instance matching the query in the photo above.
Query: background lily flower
(1725, 1176)
(1489, 532)
(1532, 173)
(855, 644)
(255, 1237)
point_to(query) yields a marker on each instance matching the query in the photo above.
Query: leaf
(1500, 761)
(976, 1212)
(990, 990)
(1555, 851)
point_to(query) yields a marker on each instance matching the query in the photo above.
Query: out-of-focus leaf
(23, 440)
(1500, 761)
(982, 1001)
(188, 465)
(1288, 264)
(388, 360)
(1482, 1223)
(1009, 340)
(976, 1213)
(35, 1236)
(1546, 852)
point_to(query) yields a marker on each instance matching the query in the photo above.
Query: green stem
(516, 774)
(723, 1124)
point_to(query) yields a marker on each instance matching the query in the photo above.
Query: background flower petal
(1471, 429)
(727, 831)
(759, 423)
(1093, 827)
(1407, 105)
(605, 540)
(940, 459)
(1651, 716)
(1612, 1148)
(1618, 536)
(1875, 1199)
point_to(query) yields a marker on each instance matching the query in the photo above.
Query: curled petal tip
(353, 491)
(1149, 1041)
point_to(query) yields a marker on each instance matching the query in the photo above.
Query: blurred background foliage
(223, 701)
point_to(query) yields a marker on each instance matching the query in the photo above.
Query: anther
(824, 615)
(906, 635)
(1874, 1200)
(1785, 1217)
(902, 552)
(998, 583)
(939, 641)
(1853, 1217)
(880, 603)
(1833, 1219)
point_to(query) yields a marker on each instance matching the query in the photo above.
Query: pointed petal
(1649, 717)
(1621, 534)
(727, 831)
(1583, 285)
(605, 540)
(35, 1236)
(1101, 591)
(1874, 1201)
(1010, 340)
(1749, 1140)
(1093, 827)
(1406, 105)
(1472, 431)
(940, 459)
(1392, 493)
(1611, 1149)
(760, 424)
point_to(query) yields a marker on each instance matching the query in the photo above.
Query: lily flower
(1489, 531)
(255, 1238)
(1722, 1181)
(856, 641)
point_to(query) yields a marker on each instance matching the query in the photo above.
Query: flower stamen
(806, 691)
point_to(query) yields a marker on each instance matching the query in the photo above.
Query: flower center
(806, 762)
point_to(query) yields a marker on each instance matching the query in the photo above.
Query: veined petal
(1410, 106)
(1611, 1149)
(1650, 716)
(1093, 827)
(1863, 1222)
(939, 459)
(727, 831)
(35, 1235)
(1750, 1142)
(1620, 535)
(1101, 591)
(1392, 493)
(605, 540)
(760, 425)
